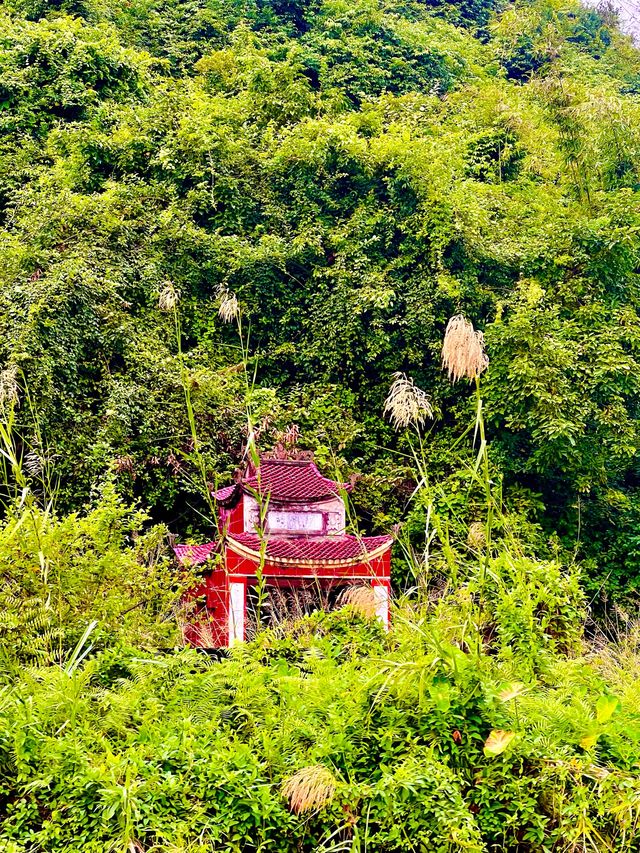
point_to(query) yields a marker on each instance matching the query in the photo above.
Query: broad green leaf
(606, 707)
(441, 696)
(497, 742)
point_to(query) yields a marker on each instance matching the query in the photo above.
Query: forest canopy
(355, 174)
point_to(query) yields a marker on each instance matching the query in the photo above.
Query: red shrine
(285, 522)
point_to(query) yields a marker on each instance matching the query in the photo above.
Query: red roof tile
(316, 549)
(223, 495)
(194, 555)
(293, 480)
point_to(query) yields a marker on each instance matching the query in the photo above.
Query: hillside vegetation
(355, 173)
(227, 224)
(482, 721)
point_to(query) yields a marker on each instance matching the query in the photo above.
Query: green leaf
(589, 741)
(497, 742)
(441, 696)
(606, 707)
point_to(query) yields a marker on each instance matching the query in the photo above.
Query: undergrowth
(482, 721)
(444, 734)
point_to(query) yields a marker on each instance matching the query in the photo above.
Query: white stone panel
(381, 596)
(236, 612)
(288, 521)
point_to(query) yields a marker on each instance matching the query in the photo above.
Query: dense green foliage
(59, 575)
(480, 722)
(357, 173)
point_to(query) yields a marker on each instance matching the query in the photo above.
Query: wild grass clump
(436, 737)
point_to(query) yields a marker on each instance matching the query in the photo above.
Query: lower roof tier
(305, 551)
(309, 550)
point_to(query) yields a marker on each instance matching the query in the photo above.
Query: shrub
(533, 610)
(57, 575)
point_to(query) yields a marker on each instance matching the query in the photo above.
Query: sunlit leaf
(512, 691)
(497, 742)
(606, 707)
(589, 741)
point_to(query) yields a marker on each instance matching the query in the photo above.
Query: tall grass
(481, 721)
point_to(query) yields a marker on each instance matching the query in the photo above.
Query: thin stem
(184, 379)
(484, 457)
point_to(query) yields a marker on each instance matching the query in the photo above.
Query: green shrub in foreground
(441, 735)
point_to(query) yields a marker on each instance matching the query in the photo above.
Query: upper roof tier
(285, 481)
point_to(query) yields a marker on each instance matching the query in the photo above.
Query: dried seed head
(32, 464)
(463, 354)
(9, 388)
(168, 297)
(229, 308)
(362, 599)
(310, 788)
(476, 537)
(406, 404)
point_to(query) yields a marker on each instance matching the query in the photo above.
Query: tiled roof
(226, 493)
(293, 480)
(312, 549)
(194, 555)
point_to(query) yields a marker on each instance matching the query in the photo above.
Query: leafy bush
(59, 574)
(428, 737)
(534, 609)
(58, 69)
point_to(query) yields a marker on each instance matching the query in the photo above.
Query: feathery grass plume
(168, 297)
(463, 355)
(32, 464)
(206, 635)
(476, 535)
(406, 404)
(9, 388)
(310, 788)
(361, 598)
(229, 308)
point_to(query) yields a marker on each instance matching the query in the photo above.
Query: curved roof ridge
(194, 555)
(286, 480)
(310, 551)
(295, 480)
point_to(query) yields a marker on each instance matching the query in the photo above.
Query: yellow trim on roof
(249, 553)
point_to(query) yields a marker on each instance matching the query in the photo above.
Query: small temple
(281, 527)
